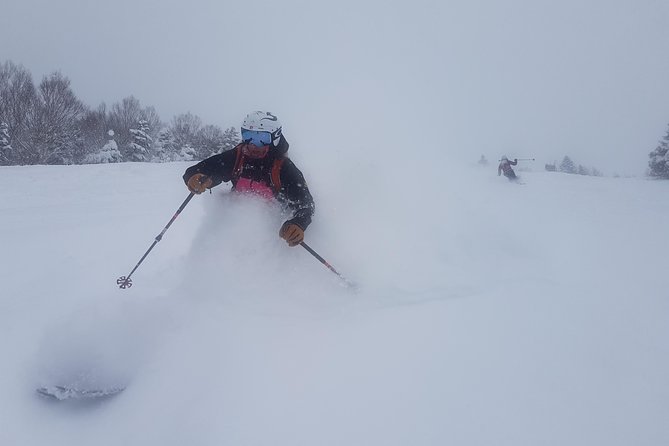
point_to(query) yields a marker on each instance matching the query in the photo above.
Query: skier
(505, 166)
(259, 165)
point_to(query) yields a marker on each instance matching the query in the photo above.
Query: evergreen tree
(659, 159)
(165, 148)
(150, 115)
(141, 143)
(186, 153)
(567, 165)
(582, 170)
(109, 153)
(124, 117)
(5, 146)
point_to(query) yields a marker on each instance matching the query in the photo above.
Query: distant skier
(259, 165)
(505, 166)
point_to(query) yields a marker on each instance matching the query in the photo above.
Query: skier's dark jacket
(293, 191)
(505, 166)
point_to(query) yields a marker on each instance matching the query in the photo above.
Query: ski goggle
(256, 137)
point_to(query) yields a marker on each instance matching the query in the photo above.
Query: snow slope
(488, 313)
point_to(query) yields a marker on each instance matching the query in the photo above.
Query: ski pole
(124, 281)
(330, 267)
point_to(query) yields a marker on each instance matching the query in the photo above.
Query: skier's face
(252, 151)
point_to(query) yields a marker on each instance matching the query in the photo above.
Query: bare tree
(209, 140)
(54, 121)
(124, 116)
(150, 115)
(17, 97)
(184, 130)
(92, 131)
(6, 151)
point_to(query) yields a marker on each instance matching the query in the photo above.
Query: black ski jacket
(293, 192)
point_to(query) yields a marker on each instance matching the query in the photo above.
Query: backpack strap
(275, 176)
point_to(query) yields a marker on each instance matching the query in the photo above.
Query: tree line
(658, 164)
(48, 124)
(569, 166)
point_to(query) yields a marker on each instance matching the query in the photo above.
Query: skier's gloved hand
(199, 182)
(291, 233)
(515, 160)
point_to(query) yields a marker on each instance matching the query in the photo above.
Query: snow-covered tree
(230, 139)
(150, 115)
(109, 153)
(124, 116)
(567, 165)
(659, 159)
(164, 148)
(582, 170)
(186, 153)
(5, 146)
(141, 143)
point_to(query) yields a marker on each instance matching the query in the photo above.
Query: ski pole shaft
(124, 281)
(324, 262)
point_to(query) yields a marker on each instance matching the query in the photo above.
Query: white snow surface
(489, 313)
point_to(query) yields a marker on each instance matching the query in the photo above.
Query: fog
(441, 79)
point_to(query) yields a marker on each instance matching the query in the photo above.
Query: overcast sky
(526, 78)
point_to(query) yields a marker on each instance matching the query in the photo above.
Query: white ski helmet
(263, 122)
